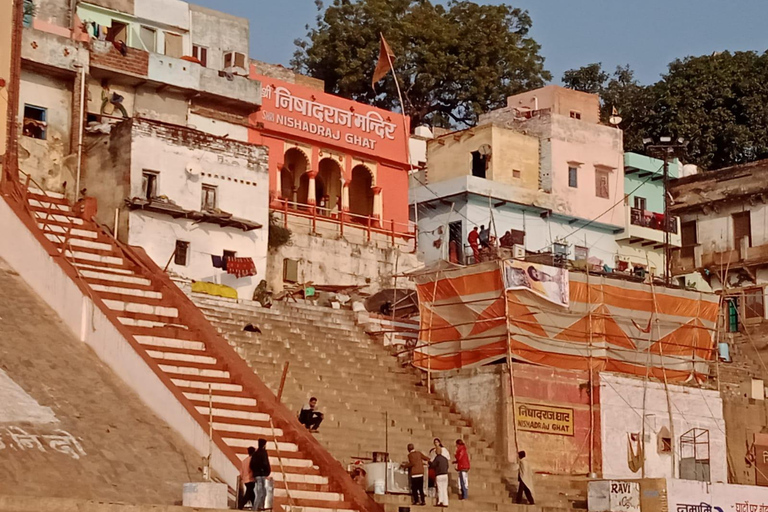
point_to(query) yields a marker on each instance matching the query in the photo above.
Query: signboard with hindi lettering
(328, 120)
(531, 417)
(692, 496)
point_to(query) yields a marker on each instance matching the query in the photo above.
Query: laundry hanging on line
(240, 267)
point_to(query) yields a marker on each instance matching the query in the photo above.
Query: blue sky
(646, 34)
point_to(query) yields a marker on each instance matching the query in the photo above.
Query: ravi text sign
(545, 419)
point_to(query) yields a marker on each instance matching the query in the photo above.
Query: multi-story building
(642, 243)
(723, 232)
(542, 168)
(338, 179)
(145, 106)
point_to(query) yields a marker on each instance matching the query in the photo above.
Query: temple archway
(361, 193)
(328, 185)
(295, 166)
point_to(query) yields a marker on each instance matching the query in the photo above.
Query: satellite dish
(193, 169)
(484, 149)
(615, 120)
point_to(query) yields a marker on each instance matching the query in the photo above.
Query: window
(516, 173)
(573, 176)
(290, 271)
(148, 39)
(742, 228)
(181, 254)
(201, 54)
(173, 45)
(731, 306)
(688, 239)
(640, 203)
(209, 198)
(117, 32)
(602, 188)
(479, 164)
(234, 59)
(665, 440)
(580, 253)
(35, 122)
(148, 185)
(575, 114)
(753, 303)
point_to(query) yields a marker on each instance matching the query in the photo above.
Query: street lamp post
(666, 149)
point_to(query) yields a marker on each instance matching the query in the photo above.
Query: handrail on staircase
(25, 204)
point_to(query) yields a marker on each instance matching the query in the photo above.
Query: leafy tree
(718, 103)
(454, 61)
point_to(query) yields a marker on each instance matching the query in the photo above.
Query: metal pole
(666, 218)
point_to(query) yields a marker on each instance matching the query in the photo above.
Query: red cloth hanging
(241, 267)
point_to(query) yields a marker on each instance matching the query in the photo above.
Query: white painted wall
(173, 13)
(44, 275)
(157, 233)
(721, 497)
(219, 128)
(715, 230)
(621, 409)
(539, 233)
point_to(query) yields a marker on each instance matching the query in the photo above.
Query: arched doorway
(328, 186)
(294, 167)
(361, 193)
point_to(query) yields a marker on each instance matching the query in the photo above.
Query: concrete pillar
(279, 181)
(311, 188)
(378, 205)
(344, 195)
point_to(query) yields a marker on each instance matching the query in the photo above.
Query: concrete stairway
(370, 402)
(176, 341)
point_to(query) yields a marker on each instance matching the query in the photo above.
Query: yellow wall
(450, 156)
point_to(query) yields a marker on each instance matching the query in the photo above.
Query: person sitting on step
(310, 417)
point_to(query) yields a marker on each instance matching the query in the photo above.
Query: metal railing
(652, 220)
(322, 220)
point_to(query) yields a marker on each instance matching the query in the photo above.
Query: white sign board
(614, 496)
(692, 496)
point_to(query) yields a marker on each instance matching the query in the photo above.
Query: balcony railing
(653, 220)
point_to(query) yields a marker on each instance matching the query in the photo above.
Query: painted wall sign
(16, 438)
(331, 120)
(614, 496)
(546, 419)
(761, 459)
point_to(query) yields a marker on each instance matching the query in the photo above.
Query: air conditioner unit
(518, 252)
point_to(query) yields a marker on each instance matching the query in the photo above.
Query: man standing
(485, 236)
(310, 417)
(462, 467)
(440, 465)
(247, 478)
(524, 479)
(260, 469)
(474, 243)
(415, 465)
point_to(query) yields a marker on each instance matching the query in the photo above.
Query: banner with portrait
(548, 282)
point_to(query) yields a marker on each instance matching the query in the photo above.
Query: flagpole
(407, 142)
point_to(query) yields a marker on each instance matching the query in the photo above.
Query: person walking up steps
(524, 479)
(261, 470)
(462, 467)
(440, 464)
(415, 466)
(247, 478)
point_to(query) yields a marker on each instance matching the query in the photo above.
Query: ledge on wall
(167, 207)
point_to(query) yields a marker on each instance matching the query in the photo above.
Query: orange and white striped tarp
(612, 324)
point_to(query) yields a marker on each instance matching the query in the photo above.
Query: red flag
(384, 66)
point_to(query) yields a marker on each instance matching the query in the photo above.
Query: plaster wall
(561, 100)
(55, 12)
(173, 13)
(163, 106)
(218, 127)
(6, 25)
(46, 160)
(218, 33)
(239, 173)
(334, 261)
(450, 156)
(621, 409)
(715, 229)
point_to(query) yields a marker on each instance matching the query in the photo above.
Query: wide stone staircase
(370, 402)
(187, 354)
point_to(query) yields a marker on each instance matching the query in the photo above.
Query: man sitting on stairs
(310, 417)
